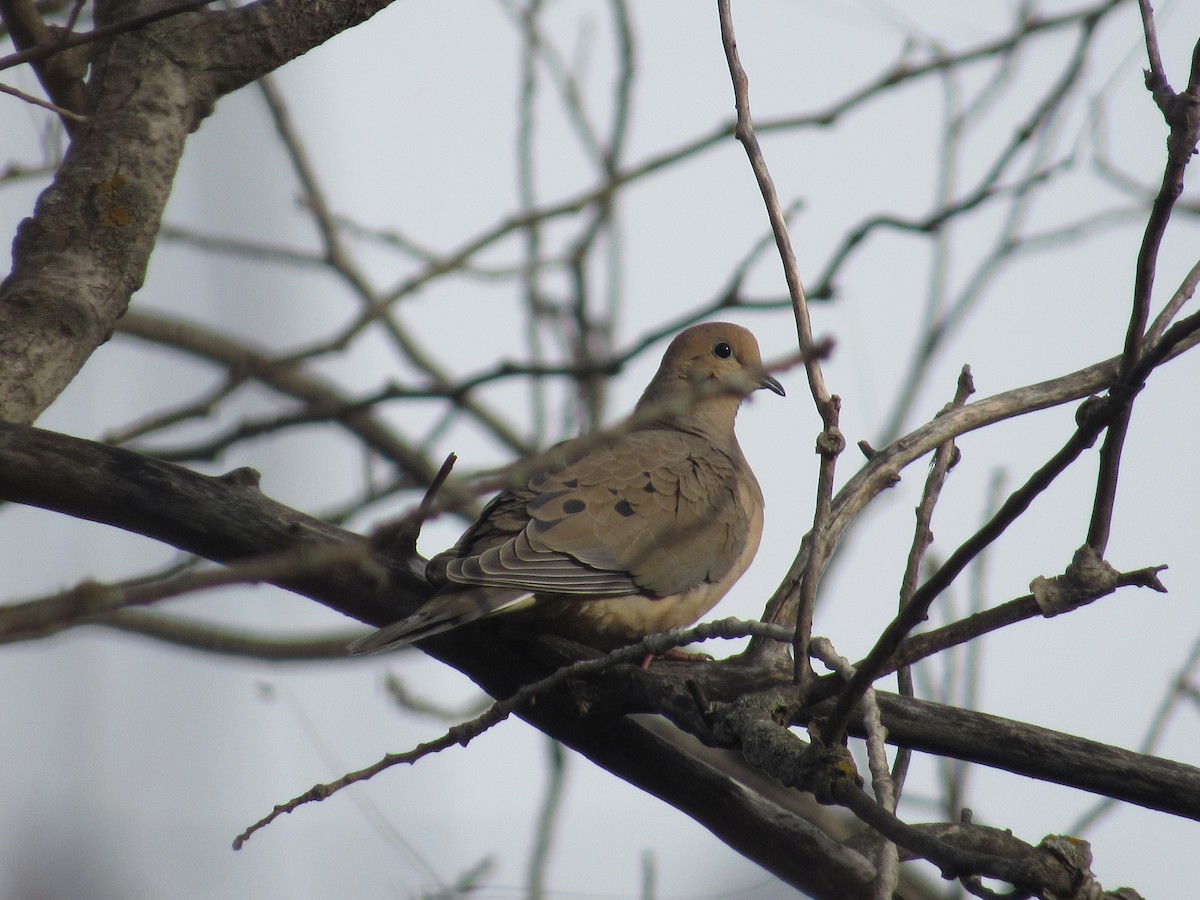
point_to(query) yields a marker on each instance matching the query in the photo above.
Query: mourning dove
(634, 534)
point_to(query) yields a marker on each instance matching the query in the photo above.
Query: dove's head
(706, 373)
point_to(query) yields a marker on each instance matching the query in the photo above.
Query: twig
(649, 876)
(458, 734)
(306, 386)
(831, 442)
(886, 790)
(954, 862)
(928, 643)
(900, 74)
(133, 23)
(399, 537)
(204, 637)
(961, 687)
(322, 404)
(44, 616)
(340, 261)
(409, 702)
(463, 734)
(1182, 114)
(1182, 295)
(244, 248)
(944, 458)
(744, 132)
(884, 465)
(531, 235)
(61, 111)
(1172, 696)
(1181, 336)
(547, 820)
(937, 327)
(915, 611)
(1156, 77)
(201, 407)
(61, 74)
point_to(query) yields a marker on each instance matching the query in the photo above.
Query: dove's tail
(441, 613)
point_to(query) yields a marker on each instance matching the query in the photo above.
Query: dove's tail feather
(441, 613)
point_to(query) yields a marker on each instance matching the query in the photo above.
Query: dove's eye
(722, 350)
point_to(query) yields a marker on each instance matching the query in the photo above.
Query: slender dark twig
(463, 734)
(133, 23)
(944, 459)
(831, 442)
(1182, 114)
(914, 613)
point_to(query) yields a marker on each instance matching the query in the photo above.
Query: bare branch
(90, 601)
(499, 711)
(205, 637)
(1182, 113)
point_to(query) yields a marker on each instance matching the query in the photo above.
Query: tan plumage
(636, 534)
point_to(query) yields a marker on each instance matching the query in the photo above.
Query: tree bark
(83, 253)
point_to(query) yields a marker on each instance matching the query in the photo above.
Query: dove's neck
(675, 403)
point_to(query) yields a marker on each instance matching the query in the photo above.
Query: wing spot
(623, 507)
(571, 507)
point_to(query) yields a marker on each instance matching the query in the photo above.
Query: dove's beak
(771, 385)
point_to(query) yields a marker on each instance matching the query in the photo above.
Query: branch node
(1076, 855)
(243, 477)
(831, 442)
(1087, 577)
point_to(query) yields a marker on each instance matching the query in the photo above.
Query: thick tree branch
(80, 257)
(223, 519)
(228, 518)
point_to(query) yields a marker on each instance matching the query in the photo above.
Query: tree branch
(83, 253)
(228, 518)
